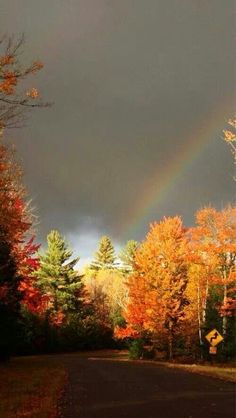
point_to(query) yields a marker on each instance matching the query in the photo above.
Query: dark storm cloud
(130, 80)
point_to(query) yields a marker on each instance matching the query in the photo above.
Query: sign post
(212, 350)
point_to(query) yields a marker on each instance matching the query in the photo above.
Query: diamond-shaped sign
(214, 337)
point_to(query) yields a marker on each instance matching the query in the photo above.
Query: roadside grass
(30, 387)
(225, 371)
(220, 371)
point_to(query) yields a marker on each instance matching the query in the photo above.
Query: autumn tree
(97, 296)
(28, 263)
(15, 219)
(17, 259)
(16, 98)
(138, 307)
(17, 248)
(58, 280)
(9, 300)
(157, 289)
(105, 256)
(213, 243)
(230, 136)
(15, 224)
(108, 293)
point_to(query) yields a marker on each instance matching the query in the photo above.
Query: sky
(141, 92)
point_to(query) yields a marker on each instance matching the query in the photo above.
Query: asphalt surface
(108, 388)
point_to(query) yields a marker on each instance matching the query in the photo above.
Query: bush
(149, 353)
(136, 349)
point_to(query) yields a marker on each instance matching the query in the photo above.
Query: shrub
(136, 349)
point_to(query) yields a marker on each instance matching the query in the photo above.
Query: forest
(159, 297)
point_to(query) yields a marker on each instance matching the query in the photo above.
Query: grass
(223, 372)
(30, 387)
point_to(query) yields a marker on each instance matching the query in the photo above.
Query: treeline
(164, 293)
(183, 285)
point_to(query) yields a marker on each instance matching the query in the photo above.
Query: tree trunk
(224, 321)
(170, 340)
(199, 321)
(204, 305)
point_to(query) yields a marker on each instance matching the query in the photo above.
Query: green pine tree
(58, 279)
(127, 256)
(105, 256)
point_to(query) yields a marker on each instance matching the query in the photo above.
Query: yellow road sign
(214, 337)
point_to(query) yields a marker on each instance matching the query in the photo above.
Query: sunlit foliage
(105, 255)
(58, 280)
(17, 96)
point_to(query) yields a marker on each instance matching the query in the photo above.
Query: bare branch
(15, 103)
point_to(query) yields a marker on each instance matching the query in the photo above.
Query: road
(108, 388)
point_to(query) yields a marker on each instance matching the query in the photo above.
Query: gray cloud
(130, 81)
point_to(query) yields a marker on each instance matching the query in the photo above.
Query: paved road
(106, 388)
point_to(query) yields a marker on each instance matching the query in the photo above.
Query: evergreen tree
(58, 280)
(105, 256)
(127, 256)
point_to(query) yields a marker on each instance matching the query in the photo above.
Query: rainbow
(161, 183)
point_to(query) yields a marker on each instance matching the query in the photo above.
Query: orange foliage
(157, 289)
(213, 249)
(14, 98)
(8, 83)
(214, 243)
(15, 224)
(27, 263)
(14, 218)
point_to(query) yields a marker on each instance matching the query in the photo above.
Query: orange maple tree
(157, 289)
(28, 263)
(15, 215)
(15, 223)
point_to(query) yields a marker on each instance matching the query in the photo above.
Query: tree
(15, 98)
(214, 251)
(108, 292)
(127, 256)
(9, 300)
(138, 307)
(157, 289)
(15, 218)
(105, 256)
(28, 263)
(17, 260)
(15, 224)
(230, 136)
(98, 298)
(58, 280)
